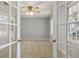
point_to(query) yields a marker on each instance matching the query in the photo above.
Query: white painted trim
(66, 18)
(13, 24)
(18, 30)
(55, 26)
(54, 50)
(18, 21)
(10, 31)
(37, 39)
(14, 42)
(6, 23)
(18, 50)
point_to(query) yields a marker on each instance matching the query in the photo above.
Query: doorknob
(19, 40)
(53, 40)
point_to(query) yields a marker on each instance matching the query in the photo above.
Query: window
(73, 21)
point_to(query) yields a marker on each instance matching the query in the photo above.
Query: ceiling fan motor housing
(30, 8)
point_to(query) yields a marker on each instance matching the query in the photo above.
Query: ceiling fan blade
(24, 9)
(36, 11)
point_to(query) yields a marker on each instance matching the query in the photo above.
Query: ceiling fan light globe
(31, 13)
(27, 13)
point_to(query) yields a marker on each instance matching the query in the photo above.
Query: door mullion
(10, 31)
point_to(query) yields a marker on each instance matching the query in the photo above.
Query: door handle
(53, 40)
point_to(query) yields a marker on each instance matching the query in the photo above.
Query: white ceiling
(45, 8)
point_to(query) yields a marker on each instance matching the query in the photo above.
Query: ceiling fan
(30, 10)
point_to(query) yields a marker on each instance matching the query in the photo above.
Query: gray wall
(35, 27)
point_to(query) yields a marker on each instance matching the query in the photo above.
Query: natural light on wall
(51, 24)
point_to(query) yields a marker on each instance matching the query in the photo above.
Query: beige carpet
(36, 49)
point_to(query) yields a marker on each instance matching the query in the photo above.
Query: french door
(8, 29)
(68, 29)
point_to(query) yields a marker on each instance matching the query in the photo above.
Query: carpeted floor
(36, 49)
(30, 49)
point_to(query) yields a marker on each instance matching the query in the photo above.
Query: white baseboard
(36, 39)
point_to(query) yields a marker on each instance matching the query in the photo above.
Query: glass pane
(73, 51)
(4, 34)
(73, 13)
(78, 10)
(13, 50)
(73, 31)
(4, 53)
(61, 32)
(61, 41)
(60, 52)
(14, 32)
(4, 12)
(14, 3)
(70, 15)
(13, 15)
